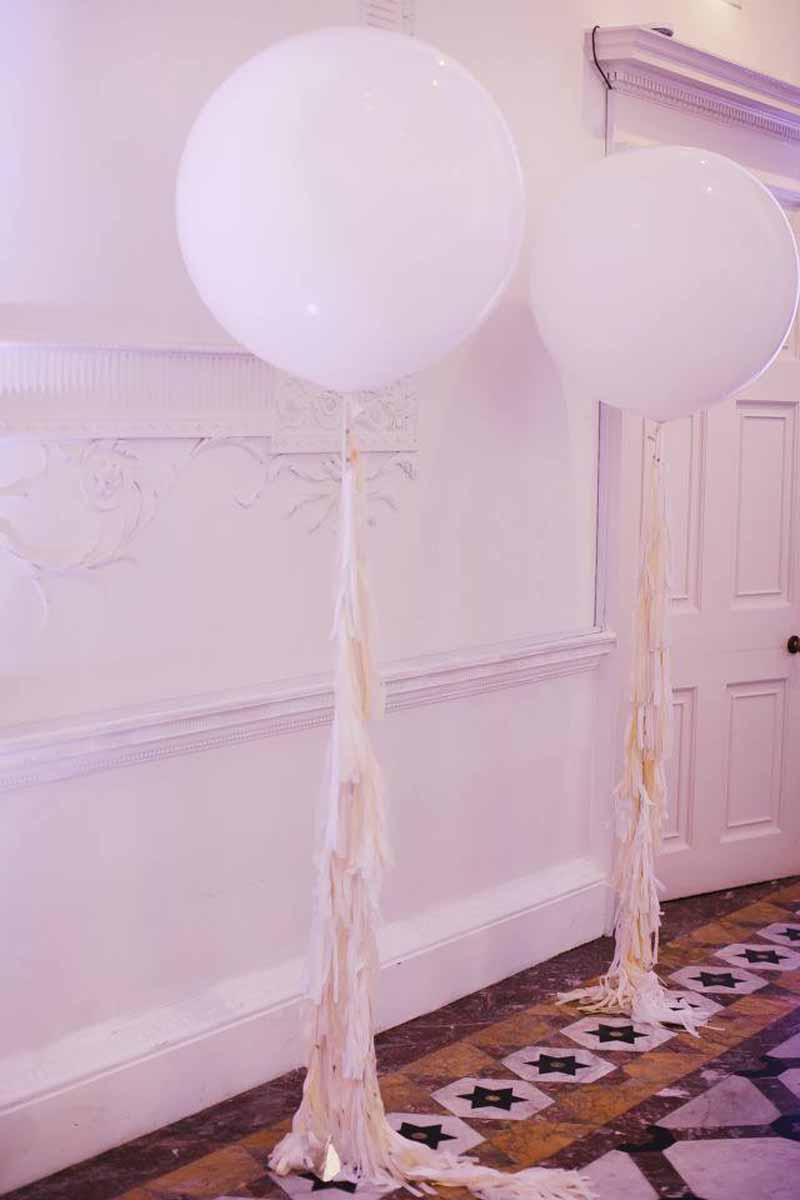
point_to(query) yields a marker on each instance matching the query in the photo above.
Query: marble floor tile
(734, 1169)
(492, 1099)
(782, 932)
(696, 1001)
(791, 1080)
(759, 957)
(619, 1127)
(732, 1101)
(616, 1033)
(556, 1064)
(714, 978)
(615, 1176)
(436, 1130)
(788, 1049)
(230, 1168)
(298, 1186)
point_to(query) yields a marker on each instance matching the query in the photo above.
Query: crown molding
(642, 63)
(47, 751)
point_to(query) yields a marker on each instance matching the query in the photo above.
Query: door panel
(734, 789)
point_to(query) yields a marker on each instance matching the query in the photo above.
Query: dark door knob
(793, 644)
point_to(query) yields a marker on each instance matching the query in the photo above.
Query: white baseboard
(110, 1083)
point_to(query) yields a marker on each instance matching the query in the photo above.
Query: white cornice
(62, 749)
(640, 62)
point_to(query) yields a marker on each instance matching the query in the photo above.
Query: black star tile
(792, 934)
(714, 979)
(426, 1135)
(324, 1185)
(762, 956)
(547, 1063)
(620, 1033)
(481, 1097)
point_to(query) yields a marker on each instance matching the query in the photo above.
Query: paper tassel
(340, 1129)
(631, 986)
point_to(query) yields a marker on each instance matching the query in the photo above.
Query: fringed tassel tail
(340, 1129)
(631, 986)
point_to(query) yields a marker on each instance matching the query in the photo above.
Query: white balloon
(350, 205)
(664, 280)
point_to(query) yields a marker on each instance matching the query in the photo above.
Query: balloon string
(605, 78)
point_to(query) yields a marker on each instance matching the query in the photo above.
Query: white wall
(155, 914)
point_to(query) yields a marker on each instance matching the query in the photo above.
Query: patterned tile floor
(515, 1080)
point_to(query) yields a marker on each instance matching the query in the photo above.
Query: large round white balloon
(350, 205)
(664, 279)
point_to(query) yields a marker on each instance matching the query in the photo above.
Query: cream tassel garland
(340, 1129)
(631, 986)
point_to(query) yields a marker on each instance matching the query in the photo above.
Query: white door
(734, 485)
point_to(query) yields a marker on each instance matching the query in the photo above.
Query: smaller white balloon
(350, 205)
(664, 280)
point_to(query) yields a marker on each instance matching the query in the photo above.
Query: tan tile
(528, 1142)
(767, 1008)
(762, 912)
(661, 1067)
(788, 894)
(223, 1171)
(401, 1094)
(789, 980)
(598, 1103)
(266, 1139)
(448, 1193)
(523, 1029)
(452, 1062)
(713, 934)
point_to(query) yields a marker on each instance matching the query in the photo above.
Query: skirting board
(106, 1085)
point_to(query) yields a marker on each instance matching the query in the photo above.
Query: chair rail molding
(45, 751)
(648, 65)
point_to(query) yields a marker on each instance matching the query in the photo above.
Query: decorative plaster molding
(60, 392)
(642, 63)
(62, 749)
(396, 16)
(111, 489)
(118, 425)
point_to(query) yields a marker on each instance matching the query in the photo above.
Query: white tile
(755, 956)
(304, 1185)
(540, 1064)
(615, 1175)
(712, 977)
(782, 932)
(696, 1001)
(436, 1130)
(492, 1099)
(791, 1079)
(733, 1101)
(616, 1033)
(738, 1169)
